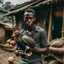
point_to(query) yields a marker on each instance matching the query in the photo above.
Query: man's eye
(31, 18)
(26, 18)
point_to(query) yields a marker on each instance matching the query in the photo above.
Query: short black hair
(30, 10)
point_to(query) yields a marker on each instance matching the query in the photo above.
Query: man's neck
(30, 28)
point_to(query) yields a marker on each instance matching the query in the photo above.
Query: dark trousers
(39, 62)
(32, 63)
(25, 62)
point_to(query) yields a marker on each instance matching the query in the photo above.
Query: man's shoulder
(39, 28)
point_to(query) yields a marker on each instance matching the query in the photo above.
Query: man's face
(29, 18)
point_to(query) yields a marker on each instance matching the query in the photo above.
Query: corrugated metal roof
(21, 5)
(5, 11)
(6, 25)
(33, 3)
(22, 8)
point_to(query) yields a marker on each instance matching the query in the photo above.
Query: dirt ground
(6, 54)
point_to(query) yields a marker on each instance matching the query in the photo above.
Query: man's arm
(43, 43)
(40, 50)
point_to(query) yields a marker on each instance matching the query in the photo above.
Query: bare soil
(6, 54)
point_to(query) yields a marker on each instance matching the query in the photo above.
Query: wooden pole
(13, 20)
(63, 24)
(50, 26)
(63, 30)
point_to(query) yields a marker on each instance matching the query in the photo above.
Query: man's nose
(29, 20)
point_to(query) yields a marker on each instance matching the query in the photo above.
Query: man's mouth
(28, 24)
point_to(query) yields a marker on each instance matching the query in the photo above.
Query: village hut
(5, 32)
(3, 27)
(19, 10)
(49, 14)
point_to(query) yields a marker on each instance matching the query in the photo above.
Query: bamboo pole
(63, 24)
(50, 26)
(63, 30)
(13, 25)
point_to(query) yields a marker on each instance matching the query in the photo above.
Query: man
(39, 36)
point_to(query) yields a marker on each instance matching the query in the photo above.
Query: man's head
(29, 17)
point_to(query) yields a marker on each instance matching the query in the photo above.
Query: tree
(8, 5)
(1, 1)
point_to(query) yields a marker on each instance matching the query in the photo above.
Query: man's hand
(40, 50)
(23, 53)
(20, 52)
